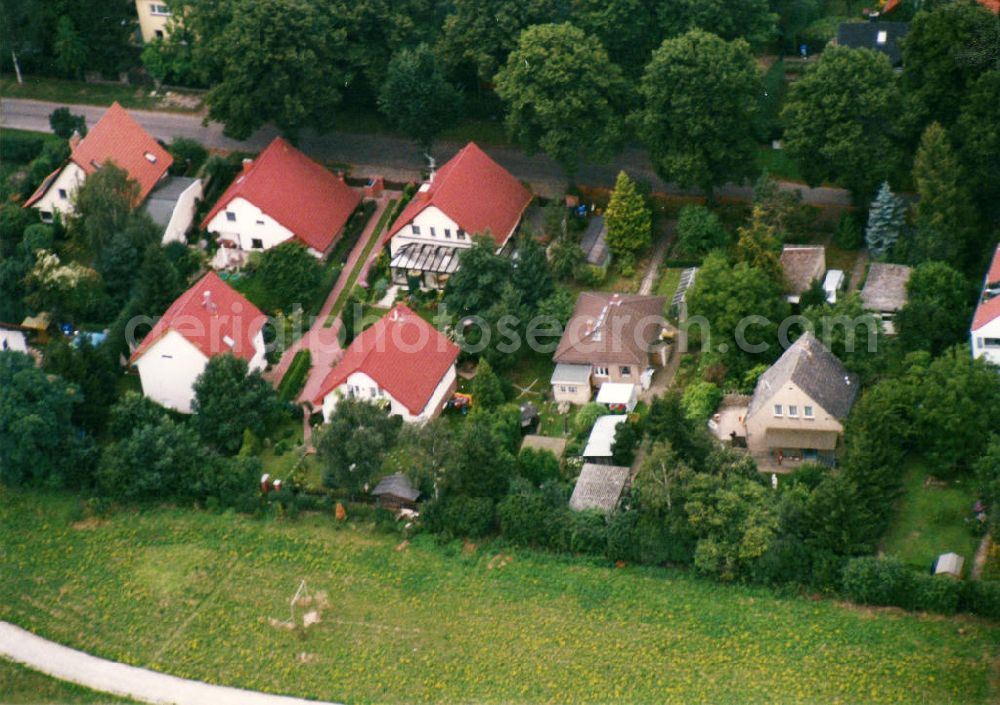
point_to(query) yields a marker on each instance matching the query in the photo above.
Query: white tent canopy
(618, 394)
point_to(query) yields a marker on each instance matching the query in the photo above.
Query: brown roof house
(884, 293)
(798, 408)
(802, 264)
(616, 338)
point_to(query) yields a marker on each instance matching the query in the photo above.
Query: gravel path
(120, 679)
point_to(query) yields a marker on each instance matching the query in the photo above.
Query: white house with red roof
(115, 138)
(985, 330)
(470, 195)
(401, 361)
(280, 195)
(208, 319)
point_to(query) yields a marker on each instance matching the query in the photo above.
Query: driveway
(120, 679)
(397, 157)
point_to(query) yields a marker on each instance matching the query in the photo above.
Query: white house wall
(251, 223)
(183, 215)
(69, 181)
(258, 361)
(789, 395)
(979, 347)
(13, 340)
(168, 370)
(429, 219)
(365, 388)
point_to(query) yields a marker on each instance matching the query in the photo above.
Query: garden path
(121, 679)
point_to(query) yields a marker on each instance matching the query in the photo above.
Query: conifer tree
(885, 221)
(629, 220)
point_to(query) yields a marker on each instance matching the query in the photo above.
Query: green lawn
(22, 686)
(931, 520)
(778, 164)
(194, 594)
(69, 92)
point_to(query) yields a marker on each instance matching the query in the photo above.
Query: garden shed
(396, 492)
(602, 439)
(949, 564)
(599, 487)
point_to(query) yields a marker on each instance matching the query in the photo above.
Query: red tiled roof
(118, 138)
(297, 192)
(991, 5)
(988, 311)
(210, 314)
(475, 192)
(403, 353)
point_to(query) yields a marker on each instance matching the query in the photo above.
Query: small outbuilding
(599, 487)
(395, 492)
(949, 564)
(602, 439)
(571, 383)
(618, 396)
(12, 337)
(594, 243)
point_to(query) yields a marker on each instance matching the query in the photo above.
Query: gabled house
(115, 138)
(208, 319)
(400, 361)
(800, 404)
(884, 293)
(985, 330)
(610, 338)
(802, 265)
(280, 195)
(469, 195)
(883, 37)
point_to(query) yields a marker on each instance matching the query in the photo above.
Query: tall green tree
(977, 137)
(942, 56)
(228, 400)
(103, 206)
(840, 120)
(699, 231)
(629, 221)
(944, 216)
(487, 390)
(93, 371)
(279, 61)
(937, 310)
(699, 96)
(531, 273)
(758, 247)
(39, 445)
(481, 33)
(416, 96)
(481, 276)
(628, 29)
(353, 442)
(70, 49)
(562, 94)
(751, 20)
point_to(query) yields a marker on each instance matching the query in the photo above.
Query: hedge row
(19, 149)
(295, 377)
(887, 582)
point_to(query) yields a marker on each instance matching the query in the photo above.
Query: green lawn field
(22, 686)
(201, 595)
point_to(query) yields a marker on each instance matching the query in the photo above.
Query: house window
(777, 410)
(256, 243)
(807, 411)
(882, 37)
(260, 222)
(161, 10)
(460, 234)
(571, 390)
(373, 392)
(158, 33)
(793, 411)
(167, 357)
(991, 342)
(230, 216)
(415, 229)
(625, 371)
(600, 371)
(447, 234)
(433, 232)
(46, 216)
(62, 194)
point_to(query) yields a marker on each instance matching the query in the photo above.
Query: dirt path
(979, 561)
(656, 259)
(120, 679)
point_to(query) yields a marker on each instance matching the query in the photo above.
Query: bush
(17, 148)
(188, 156)
(588, 532)
(699, 231)
(848, 235)
(934, 593)
(700, 401)
(64, 123)
(524, 517)
(538, 466)
(295, 376)
(460, 516)
(877, 581)
(585, 418)
(981, 598)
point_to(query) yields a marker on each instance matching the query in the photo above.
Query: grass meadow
(202, 595)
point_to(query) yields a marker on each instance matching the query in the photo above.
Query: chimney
(340, 176)
(74, 140)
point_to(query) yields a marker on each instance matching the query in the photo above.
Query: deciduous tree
(288, 275)
(353, 442)
(699, 231)
(416, 96)
(937, 310)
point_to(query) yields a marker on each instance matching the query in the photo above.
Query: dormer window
(150, 157)
(882, 37)
(229, 341)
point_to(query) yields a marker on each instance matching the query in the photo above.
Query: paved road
(394, 157)
(120, 679)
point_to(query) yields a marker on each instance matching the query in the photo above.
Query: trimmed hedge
(295, 377)
(887, 582)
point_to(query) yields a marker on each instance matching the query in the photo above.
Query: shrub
(16, 148)
(295, 376)
(588, 532)
(877, 581)
(64, 123)
(699, 231)
(979, 597)
(460, 516)
(524, 517)
(188, 156)
(848, 235)
(586, 416)
(934, 593)
(700, 401)
(538, 466)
